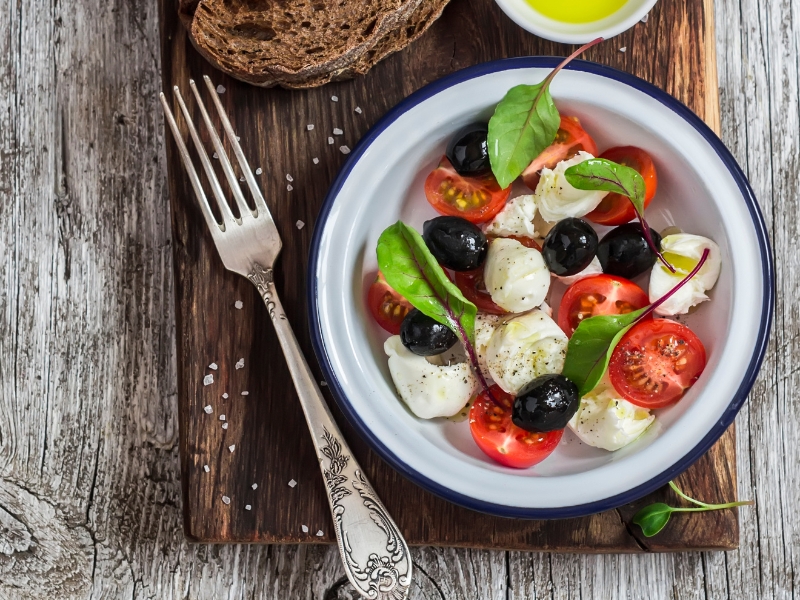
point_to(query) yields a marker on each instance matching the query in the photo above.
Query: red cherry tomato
(387, 306)
(570, 139)
(598, 295)
(476, 199)
(473, 287)
(616, 209)
(501, 440)
(526, 241)
(656, 362)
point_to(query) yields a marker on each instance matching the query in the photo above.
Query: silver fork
(374, 553)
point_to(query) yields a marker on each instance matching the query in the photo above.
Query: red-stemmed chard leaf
(601, 174)
(590, 347)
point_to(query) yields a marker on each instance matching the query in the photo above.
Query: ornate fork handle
(374, 553)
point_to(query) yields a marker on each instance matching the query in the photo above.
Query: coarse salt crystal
(247, 507)
(299, 224)
(222, 417)
(224, 425)
(238, 138)
(358, 109)
(315, 160)
(323, 383)
(344, 149)
(310, 126)
(292, 483)
(259, 171)
(645, 18)
(319, 533)
(238, 304)
(289, 188)
(206, 469)
(232, 447)
(337, 131)
(289, 177)
(254, 486)
(245, 393)
(623, 49)
(225, 395)
(220, 89)
(226, 500)
(214, 155)
(241, 178)
(239, 364)
(213, 366)
(335, 98)
(208, 409)
(304, 528)
(330, 140)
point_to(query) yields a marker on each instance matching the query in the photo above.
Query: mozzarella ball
(516, 218)
(515, 276)
(604, 420)
(594, 268)
(522, 348)
(683, 251)
(429, 390)
(556, 199)
(485, 325)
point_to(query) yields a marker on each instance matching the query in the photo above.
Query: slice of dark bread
(272, 42)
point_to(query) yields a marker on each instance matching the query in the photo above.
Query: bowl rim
(688, 458)
(606, 32)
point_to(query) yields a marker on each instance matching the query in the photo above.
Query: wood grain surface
(90, 490)
(272, 446)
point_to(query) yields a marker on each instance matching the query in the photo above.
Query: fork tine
(261, 205)
(223, 156)
(227, 215)
(187, 162)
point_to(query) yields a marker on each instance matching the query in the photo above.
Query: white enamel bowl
(524, 15)
(701, 189)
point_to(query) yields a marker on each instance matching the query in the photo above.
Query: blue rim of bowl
(690, 457)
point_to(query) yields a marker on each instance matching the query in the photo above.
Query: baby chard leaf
(525, 122)
(653, 518)
(601, 174)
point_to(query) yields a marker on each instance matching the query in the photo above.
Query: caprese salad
(466, 299)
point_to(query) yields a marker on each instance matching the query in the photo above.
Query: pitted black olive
(569, 247)
(546, 404)
(455, 242)
(425, 336)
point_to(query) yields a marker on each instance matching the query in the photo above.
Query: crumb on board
(220, 89)
(232, 447)
(344, 149)
(304, 528)
(315, 160)
(206, 468)
(213, 366)
(299, 224)
(208, 409)
(239, 364)
(208, 379)
(292, 483)
(238, 304)
(226, 500)
(337, 131)
(245, 393)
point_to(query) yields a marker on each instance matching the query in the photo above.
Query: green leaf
(410, 268)
(590, 348)
(600, 174)
(653, 518)
(524, 123)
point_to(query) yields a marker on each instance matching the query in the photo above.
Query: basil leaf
(590, 348)
(600, 174)
(410, 268)
(653, 518)
(524, 123)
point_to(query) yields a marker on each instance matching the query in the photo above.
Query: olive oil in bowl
(577, 11)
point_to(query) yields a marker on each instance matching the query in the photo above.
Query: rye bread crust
(248, 40)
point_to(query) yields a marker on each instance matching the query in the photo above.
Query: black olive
(468, 150)
(569, 247)
(425, 336)
(546, 404)
(455, 242)
(624, 251)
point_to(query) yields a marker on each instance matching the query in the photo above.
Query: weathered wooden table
(89, 489)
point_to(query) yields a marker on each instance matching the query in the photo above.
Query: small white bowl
(524, 15)
(700, 188)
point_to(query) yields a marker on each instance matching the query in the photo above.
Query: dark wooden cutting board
(674, 49)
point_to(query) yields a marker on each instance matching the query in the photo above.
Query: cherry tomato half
(616, 209)
(598, 295)
(501, 440)
(387, 306)
(570, 139)
(476, 199)
(656, 362)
